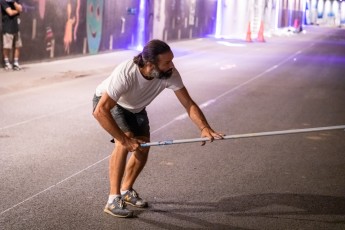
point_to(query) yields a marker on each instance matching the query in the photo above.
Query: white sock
(123, 192)
(6, 61)
(112, 198)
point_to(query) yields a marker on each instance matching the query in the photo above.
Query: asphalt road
(54, 155)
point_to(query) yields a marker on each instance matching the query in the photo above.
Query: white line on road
(180, 117)
(49, 188)
(43, 116)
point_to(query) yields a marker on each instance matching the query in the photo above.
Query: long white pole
(273, 133)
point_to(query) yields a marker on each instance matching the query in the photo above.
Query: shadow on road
(290, 206)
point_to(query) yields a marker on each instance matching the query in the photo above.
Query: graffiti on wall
(55, 29)
(94, 22)
(72, 21)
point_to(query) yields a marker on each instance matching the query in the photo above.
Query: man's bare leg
(16, 53)
(117, 163)
(6, 54)
(134, 167)
(16, 65)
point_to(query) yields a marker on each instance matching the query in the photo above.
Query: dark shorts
(136, 123)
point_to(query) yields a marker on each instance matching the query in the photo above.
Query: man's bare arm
(196, 115)
(103, 116)
(11, 12)
(18, 7)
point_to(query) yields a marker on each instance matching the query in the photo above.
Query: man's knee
(142, 153)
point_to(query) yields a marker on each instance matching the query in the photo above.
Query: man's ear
(147, 68)
(150, 65)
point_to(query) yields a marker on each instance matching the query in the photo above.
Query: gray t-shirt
(127, 86)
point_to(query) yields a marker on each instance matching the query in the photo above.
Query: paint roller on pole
(247, 135)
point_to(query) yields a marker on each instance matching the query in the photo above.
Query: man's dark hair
(150, 52)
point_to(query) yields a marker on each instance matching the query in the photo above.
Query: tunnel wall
(236, 18)
(291, 12)
(53, 29)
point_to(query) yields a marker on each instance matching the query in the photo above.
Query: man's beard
(157, 73)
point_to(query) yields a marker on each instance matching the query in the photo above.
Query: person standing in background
(10, 11)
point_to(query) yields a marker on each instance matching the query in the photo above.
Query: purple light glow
(141, 25)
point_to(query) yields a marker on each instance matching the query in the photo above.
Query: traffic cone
(249, 34)
(261, 33)
(296, 26)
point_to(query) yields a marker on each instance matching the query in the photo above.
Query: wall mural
(56, 29)
(71, 20)
(41, 7)
(94, 22)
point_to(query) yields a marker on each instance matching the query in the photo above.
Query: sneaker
(16, 67)
(118, 208)
(131, 197)
(8, 66)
